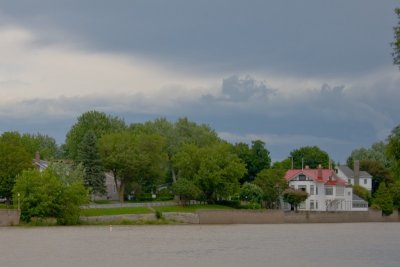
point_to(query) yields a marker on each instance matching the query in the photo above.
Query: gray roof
(350, 173)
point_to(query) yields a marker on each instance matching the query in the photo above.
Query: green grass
(104, 201)
(191, 208)
(4, 206)
(115, 211)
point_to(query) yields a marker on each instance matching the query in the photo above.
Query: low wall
(279, 216)
(118, 218)
(9, 217)
(182, 217)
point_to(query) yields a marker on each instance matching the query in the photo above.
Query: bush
(229, 203)
(362, 192)
(44, 195)
(251, 193)
(383, 199)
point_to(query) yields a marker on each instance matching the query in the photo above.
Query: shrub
(251, 193)
(383, 199)
(361, 192)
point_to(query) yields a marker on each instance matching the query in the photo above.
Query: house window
(365, 181)
(114, 188)
(316, 190)
(311, 204)
(302, 177)
(349, 181)
(311, 189)
(340, 191)
(316, 204)
(328, 190)
(302, 188)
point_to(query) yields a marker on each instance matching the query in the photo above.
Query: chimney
(37, 157)
(319, 174)
(356, 172)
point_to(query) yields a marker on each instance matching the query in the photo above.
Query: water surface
(320, 245)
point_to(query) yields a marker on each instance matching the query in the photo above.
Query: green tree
(311, 156)
(375, 153)
(272, 183)
(44, 194)
(393, 151)
(215, 169)
(256, 158)
(396, 43)
(94, 176)
(251, 192)
(383, 199)
(186, 190)
(133, 158)
(176, 135)
(32, 143)
(13, 160)
(395, 191)
(98, 122)
(362, 192)
(378, 172)
(294, 197)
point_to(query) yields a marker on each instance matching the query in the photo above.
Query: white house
(355, 176)
(327, 191)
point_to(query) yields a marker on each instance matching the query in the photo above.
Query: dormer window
(302, 177)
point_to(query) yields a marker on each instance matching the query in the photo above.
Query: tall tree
(13, 160)
(178, 134)
(94, 176)
(133, 158)
(393, 151)
(214, 169)
(396, 43)
(32, 143)
(376, 153)
(98, 122)
(272, 182)
(311, 156)
(256, 158)
(383, 199)
(379, 173)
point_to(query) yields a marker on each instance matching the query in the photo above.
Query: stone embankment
(9, 217)
(254, 217)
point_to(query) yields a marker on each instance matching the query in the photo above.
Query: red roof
(326, 176)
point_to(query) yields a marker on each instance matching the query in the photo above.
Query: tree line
(184, 158)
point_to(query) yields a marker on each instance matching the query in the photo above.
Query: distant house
(355, 176)
(327, 190)
(39, 164)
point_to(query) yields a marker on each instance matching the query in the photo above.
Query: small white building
(327, 190)
(355, 176)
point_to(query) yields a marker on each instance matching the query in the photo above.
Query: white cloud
(28, 70)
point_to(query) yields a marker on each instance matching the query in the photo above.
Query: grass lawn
(115, 211)
(4, 206)
(190, 208)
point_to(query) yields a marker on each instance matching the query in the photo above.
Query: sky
(290, 73)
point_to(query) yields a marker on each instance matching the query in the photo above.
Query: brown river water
(322, 245)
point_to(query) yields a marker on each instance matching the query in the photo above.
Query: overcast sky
(291, 73)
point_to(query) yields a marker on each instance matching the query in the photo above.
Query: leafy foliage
(311, 156)
(361, 192)
(272, 183)
(383, 199)
(133, 158)
(378, 171)
(13, 160)
(94, 176)
(213, 169)
(44, 194)
(251, 193)
(256, 158)
(98, 122)
(375, 153)
(294, 197)
(186, 190)
(393, 149)
(395, 192)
